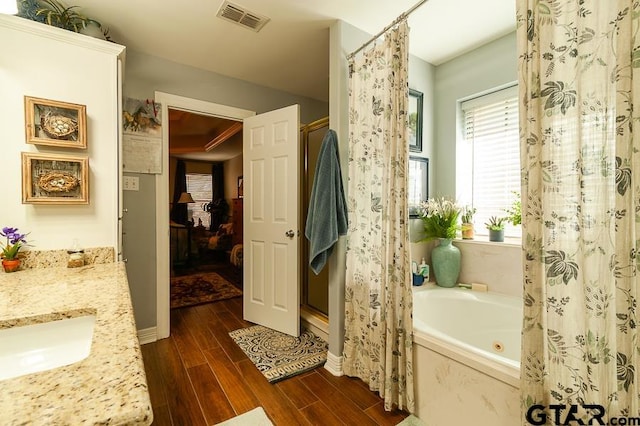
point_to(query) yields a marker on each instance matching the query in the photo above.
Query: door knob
(290, 233)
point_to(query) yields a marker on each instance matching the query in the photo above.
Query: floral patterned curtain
(581, 203)
(378, 300)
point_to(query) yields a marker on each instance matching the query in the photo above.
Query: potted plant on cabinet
(467, 222)
(495, 225)
(56, 14)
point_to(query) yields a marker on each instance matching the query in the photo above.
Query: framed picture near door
(240, 187)
(415, 120)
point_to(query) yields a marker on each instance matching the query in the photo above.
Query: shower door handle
(290, 234)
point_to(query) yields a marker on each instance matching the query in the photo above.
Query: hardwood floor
(199, 376)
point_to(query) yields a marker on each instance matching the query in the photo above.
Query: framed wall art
(55, 123)
(415, 120)
(54, 179)
(418, 184)
(240, 187)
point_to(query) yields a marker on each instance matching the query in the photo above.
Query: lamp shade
(185, 198)
(9, 7)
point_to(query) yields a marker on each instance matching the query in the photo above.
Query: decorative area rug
(279, 356)
(255, 417)
(194, 289)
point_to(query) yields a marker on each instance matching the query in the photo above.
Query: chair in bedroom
(215, 245)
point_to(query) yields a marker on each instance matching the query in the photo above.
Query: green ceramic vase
(446, 263)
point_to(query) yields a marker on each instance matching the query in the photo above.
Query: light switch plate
(131, 183)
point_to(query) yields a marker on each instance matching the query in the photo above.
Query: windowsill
(484, 239)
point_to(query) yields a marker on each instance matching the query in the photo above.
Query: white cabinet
(46, 62)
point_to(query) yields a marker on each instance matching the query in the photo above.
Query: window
(489, 156)
(199, 185)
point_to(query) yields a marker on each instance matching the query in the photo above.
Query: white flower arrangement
(440, 218)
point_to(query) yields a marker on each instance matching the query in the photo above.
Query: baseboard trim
(334, 364)
(147, 335)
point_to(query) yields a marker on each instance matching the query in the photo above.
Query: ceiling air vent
(241, 16)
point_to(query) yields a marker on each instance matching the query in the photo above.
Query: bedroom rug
(255, 417)
(194, 289)
(279, 356)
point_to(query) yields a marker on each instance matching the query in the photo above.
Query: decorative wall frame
(418, 189)
(55, 123)
(54, 179)
(415, 120)
(240, 187)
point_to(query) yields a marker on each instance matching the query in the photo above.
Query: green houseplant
(495, 225)
(467, 222)
(440, 219)
(514, 213)
(56, 14)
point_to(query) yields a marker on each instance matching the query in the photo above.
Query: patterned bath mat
(194, 289)
(279, 356)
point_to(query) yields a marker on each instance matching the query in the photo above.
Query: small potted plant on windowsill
(495, 225)
(467, 222)
(514, 213)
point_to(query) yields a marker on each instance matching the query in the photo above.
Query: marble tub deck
(109, 386)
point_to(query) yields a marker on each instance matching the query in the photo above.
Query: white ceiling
(291, 53)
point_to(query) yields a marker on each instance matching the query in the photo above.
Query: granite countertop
(108, 387)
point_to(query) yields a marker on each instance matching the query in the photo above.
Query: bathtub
(466, 356)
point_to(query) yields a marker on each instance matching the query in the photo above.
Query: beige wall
(232, 170)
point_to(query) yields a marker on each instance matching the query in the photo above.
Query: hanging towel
(327, 214)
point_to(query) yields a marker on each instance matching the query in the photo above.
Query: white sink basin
(39, 347)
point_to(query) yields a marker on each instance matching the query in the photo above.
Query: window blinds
(199, 185)
(491, 130)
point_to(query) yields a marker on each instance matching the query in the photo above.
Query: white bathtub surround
(378, 299)
(580, 199)
(498, 265)
(466, 356)
(451, 393)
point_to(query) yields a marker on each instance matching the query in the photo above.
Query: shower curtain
(378, 300)
(581, 206)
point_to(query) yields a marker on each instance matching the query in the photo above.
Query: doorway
(315, 288)
(167, 101)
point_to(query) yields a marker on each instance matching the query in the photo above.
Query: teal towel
(327, 214)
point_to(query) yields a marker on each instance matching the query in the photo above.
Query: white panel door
(271, 219)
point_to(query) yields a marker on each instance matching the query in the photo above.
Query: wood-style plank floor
(199, 376)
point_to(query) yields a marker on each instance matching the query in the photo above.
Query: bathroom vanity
(107, 386)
